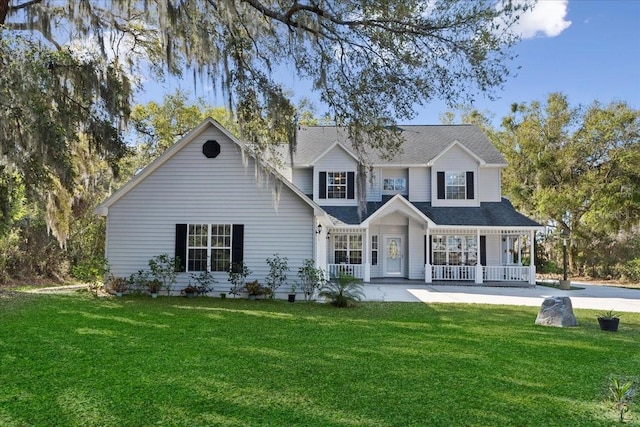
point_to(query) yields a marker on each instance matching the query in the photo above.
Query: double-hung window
(454, 185)
(209, 247)
(347, 249)
(336, 185)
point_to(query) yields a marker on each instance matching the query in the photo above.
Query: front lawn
(76, 360)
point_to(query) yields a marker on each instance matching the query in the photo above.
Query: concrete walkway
(595, 297)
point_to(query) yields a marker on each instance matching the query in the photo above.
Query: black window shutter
(440, 185)
(237, 243)
(351, 185)
(181, 247)
(470, 185)
(483, 250)
(322, 185)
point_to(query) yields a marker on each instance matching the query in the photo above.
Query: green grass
(77, 360)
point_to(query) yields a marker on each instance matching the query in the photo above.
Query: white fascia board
(464, 148)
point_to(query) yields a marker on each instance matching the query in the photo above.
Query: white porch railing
(491, 273)
(355, 270)
(454, 272)
(506, 273)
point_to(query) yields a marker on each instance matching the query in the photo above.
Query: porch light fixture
(328, 235)
(319, 229)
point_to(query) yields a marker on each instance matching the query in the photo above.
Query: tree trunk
(4, 9)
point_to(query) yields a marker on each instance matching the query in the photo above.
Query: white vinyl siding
(489, 184)
(192, 189)
(419, 184)
(303, 179)
(374, 187)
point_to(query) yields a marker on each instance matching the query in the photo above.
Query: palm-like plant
(346, 291)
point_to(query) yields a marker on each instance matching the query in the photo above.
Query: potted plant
(254, 289)
(190, 291)
(609, 321)
(154, 286)
(118, 285)
(292, 294)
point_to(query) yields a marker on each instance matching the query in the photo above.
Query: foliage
(255, 288)
(164, 269)
(343, 291)
(140, 281)
(204, 282)
(608, 315)
(311, 278)
(277, 275)
(631, 270)
(237, 275)
(390, 344)
(118, 284)
(621, 394)
(372, 63)
(573, 168)
(51, 98)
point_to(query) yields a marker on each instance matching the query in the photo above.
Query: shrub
(237, 275)
(311, 278)
(343, 292)
(204, 282)
(631, 270)
(278, 269)
(164, 269)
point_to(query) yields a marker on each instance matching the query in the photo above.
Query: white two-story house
(434, 212)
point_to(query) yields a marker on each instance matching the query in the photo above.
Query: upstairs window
(398, 185)
(455, 185)
(336, 185)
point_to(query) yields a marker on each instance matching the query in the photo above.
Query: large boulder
(556, 311)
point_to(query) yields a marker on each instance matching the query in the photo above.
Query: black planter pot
(292, 297)
(608, 324)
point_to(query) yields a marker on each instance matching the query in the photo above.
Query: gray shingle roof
(488, 214)
(421, 143)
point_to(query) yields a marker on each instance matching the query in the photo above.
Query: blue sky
(586, 49)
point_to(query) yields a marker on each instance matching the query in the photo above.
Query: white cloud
(545, 19)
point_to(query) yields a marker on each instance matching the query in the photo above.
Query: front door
(394, 256)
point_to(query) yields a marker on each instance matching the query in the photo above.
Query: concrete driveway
(595, 297)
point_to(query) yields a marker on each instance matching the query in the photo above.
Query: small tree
(311, 278)
(621, 394)
(94, 271)
(343, 292)
(278, 269)
(237, 275)
(164, 269)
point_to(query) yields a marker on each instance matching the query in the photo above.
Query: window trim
(210, 248)
(349, 249)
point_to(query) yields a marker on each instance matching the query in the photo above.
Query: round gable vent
(211, 149)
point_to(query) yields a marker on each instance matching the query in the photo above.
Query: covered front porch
(403, 240)
(488, 255)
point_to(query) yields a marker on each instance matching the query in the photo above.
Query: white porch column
(478, 280)
(321, 249)
(367, 263)
(428, 278)
(532, 262)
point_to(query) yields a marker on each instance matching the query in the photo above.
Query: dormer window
(455, 185)
(336, 185)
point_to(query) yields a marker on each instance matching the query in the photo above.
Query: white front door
(393, 256)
